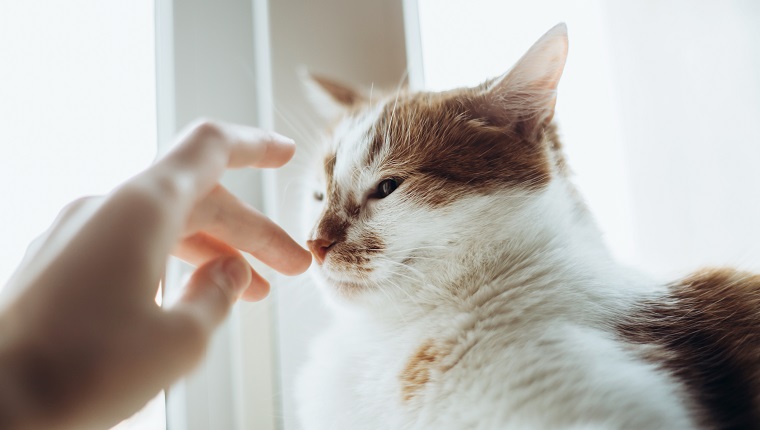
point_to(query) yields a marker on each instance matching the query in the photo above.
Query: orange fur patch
(418, 369)
(707, 334)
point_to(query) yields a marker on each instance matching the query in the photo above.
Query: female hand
(82, 342)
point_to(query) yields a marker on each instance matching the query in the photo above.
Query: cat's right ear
(329, 97)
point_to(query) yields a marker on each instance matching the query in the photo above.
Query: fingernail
(283, 139)
(237, 273)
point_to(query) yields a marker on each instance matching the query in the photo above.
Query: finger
(258, 290)
(225, 217)
(152, 208)
(207, 148)
(201, 248)
(245, 146)
(183, 331)
(208, 297)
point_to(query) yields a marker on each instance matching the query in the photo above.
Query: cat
(471, 289)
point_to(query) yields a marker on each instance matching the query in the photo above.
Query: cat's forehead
(351, 142)
(442, 145)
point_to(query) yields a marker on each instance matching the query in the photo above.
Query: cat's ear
(530, 87)
(330, 98)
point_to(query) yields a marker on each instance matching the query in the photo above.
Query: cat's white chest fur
(484, 369)
(350, 382)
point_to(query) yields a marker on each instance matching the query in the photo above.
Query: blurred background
(658, 108)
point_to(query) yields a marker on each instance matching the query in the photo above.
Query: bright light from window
(77, 116)
(77, 108)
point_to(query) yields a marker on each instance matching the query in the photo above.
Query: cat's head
(418, 189)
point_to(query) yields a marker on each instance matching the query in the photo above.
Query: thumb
(208, 297)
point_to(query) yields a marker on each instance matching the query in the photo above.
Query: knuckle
(225, 296)
(167, 187)
(206, 129)
(206, 136)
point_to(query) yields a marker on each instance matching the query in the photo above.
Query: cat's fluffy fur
(479, 294)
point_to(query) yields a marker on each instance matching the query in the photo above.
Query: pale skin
(82, 342)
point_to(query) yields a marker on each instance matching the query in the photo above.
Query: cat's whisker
(382, 288)
(306, 132)
(401, 290)
(421, 257)
(300, 184)
(415, 271)
(404, 275)
(416, 249)
(418, 279)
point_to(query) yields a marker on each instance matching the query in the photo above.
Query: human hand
(82, 342)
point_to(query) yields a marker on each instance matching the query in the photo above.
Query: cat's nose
(319, 248)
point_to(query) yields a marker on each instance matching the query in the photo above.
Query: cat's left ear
(330, 97)
(530, 87)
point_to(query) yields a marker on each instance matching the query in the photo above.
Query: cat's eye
(319, 196)
(385, 188)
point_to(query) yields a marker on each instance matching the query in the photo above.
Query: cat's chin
(342, 285)
(368, 287)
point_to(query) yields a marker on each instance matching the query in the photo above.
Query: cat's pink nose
(319, 248)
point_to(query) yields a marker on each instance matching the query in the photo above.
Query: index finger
(207, 148)
(158, 202)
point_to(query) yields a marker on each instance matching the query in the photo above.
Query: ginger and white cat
(471, 288)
